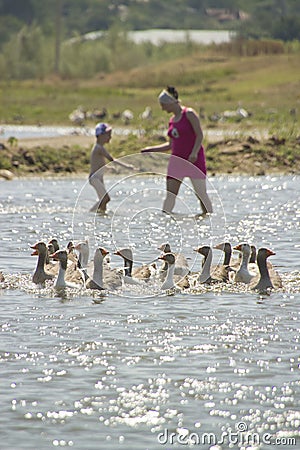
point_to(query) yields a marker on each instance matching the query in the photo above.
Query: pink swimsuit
(182, 139)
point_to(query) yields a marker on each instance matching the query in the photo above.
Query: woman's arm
(195, 122)
(158, 148)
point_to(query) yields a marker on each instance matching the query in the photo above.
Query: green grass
(267, 86)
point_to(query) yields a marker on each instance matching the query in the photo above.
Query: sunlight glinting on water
(127, 368)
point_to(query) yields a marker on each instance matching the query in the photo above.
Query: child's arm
(116, 161)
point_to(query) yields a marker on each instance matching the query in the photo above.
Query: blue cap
(102, 128)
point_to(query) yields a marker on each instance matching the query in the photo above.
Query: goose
(242, 274)
(224, 270)
(268, 278)
(205, 276)
(54, 243)
(84, 253)
(67, 276)
(169, 259)
(181, 264)
(109, 279)
(50, 250)
(2, 278)
(40, 275)
(71, 254)
(96, 282)
(252, 259)
(136, 275)
(227, 249)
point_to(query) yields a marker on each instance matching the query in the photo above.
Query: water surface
(138, 369)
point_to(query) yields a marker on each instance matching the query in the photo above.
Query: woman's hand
(193, 157)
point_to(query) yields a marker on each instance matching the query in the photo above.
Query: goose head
(55, 244)
(224, 246)
(205, 250)
(84, 252)
(62, 257)
(227, 249)
(165, 248)
(264, 253)
(70, 247)
(100, 254)
(125, 253)
(40, 248)
(244, 248)
(169, 258)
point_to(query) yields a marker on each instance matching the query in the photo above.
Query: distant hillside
(78, 17)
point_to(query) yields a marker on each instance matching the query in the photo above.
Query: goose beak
(238, 247)
(54, 256)
(34, 247)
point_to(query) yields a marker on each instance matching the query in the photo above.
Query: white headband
(165, 97)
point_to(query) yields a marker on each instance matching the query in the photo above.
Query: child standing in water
(98, 156)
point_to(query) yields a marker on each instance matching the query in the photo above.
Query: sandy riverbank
(69, 155)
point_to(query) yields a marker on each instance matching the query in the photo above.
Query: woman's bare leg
(200, 190)
(173, 185)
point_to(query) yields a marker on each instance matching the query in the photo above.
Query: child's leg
(97, 182)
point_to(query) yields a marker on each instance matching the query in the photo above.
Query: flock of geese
(72, 267)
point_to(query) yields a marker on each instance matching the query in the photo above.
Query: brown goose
(169, 259)
(181, 264)
(224, 270)
(54, 243)
(136, 275)
(204, 276)
(40, 274)
(268, 277)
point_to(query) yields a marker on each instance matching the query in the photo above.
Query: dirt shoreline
(69, 156)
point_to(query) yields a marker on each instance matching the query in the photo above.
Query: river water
(137, 369)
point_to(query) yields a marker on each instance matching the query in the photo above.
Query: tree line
(35, 36)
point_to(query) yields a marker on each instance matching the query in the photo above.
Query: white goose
(243, 275)
(268, 277)
(74, 277)
(84, 253)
